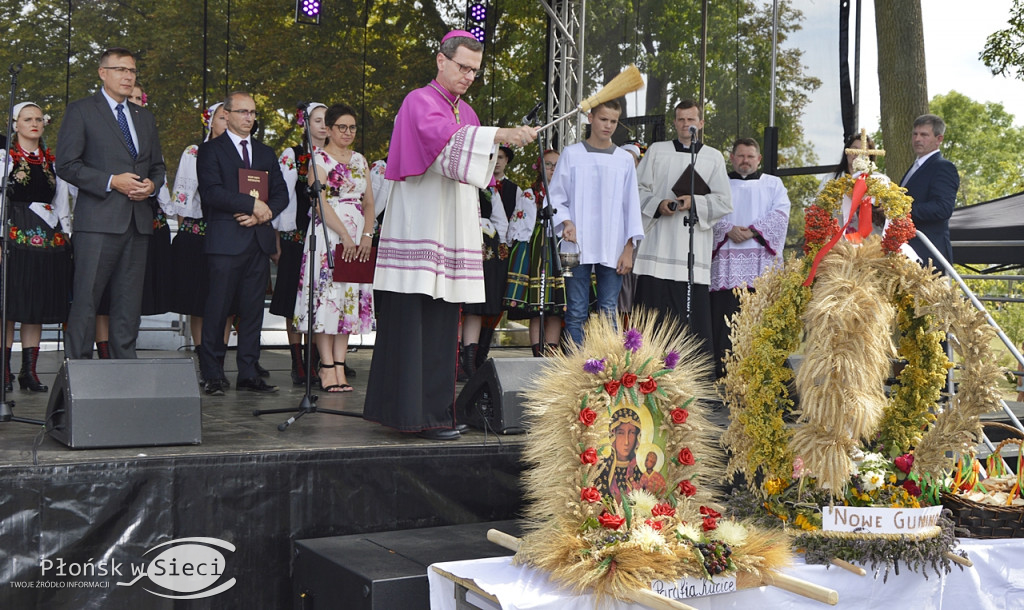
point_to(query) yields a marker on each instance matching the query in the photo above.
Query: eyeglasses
(549, 165)
(245, 113)
(345, 128)
(122, 70)
(463, 68)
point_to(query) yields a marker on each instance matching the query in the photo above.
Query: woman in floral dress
(38, 252)
(339, 309)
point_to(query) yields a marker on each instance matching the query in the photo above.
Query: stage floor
(227, 421)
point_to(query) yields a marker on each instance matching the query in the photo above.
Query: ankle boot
(486, 336)
(538, 350)
(460, 365)
(298, 368)
(28, 378)
(103, 350)
(469, 359)
(553, 348)
(8, 378)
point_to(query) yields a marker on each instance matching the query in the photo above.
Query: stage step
(387, 570)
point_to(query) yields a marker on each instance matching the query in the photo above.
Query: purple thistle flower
(634, 340)
(671, 360)
(593, 366)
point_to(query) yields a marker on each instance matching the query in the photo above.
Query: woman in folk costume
(291, 225)
(190, 276)
(493, 227)
(340, 309)
(38, 250)
(522, 297)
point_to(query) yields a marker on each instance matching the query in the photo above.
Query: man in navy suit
(239, 241)
(932, 182)
(108, 148)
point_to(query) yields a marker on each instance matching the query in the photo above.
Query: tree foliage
(1003, 52)
(983, 142)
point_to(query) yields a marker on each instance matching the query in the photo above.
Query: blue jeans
(577, 296)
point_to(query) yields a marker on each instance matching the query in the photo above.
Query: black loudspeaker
(491, 399)
(125, 403)
(387, 570)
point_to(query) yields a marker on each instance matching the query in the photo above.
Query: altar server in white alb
(748, 241)
(593, 192)
(430, 257)
(661, 264)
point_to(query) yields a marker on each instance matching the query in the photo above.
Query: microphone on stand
(532, 115)
(693, 135)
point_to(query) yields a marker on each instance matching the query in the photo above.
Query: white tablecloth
(996, 582)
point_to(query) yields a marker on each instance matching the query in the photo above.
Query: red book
(254, 182)
(356, 271)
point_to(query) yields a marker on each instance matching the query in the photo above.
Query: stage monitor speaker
(125, 403)
(492, 401)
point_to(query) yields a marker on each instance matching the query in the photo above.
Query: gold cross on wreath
(864, 151)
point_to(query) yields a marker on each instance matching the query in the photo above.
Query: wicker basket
(987, 520)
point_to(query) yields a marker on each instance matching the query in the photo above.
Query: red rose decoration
(612, 387)
(656, 525)
(629, 380)
(679, 415)
(686, 457)
(589, 456)
(904, 462)
(590, 494)
(588, 416)
(612, 522)
(709, 524)
(710, 512)
(687, 488)
(912, 488)
(662, 510)
(648, 385)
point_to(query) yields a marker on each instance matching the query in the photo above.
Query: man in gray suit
(109, 148)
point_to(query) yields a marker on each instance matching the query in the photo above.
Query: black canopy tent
(989, 233)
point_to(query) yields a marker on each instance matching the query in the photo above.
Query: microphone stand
(308, 402)
(691, 220)
(6, 406)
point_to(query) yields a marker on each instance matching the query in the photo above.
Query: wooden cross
(864, 151)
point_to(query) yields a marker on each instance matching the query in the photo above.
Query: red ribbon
(863, 205)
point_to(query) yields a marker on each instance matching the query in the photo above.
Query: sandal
(333, 388)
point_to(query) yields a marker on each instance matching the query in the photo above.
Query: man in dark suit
(239, 241)
(932, 182)
(109, 148)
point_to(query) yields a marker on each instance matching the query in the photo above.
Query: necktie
(245, 154)
(127, 133)
(910, 174)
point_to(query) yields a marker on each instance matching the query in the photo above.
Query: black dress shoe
(439, 434)
(214, 387)
(262, 372)
(462, 428)
(256, 384)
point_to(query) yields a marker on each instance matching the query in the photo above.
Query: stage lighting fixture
(476, 20)
(308, 11)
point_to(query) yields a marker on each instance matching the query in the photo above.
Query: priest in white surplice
(430, 257)
(748, 241)
(661, 263)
